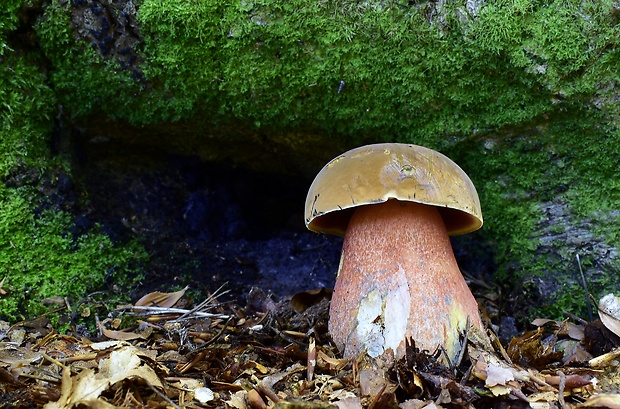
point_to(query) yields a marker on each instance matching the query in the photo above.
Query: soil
(204, 224)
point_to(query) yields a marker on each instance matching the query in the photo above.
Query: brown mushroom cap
(375, 173)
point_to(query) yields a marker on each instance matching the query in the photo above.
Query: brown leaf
(529, 350)
(372, 381)
(119, 335)
(324, 361)
(86, 387)
(598, 339)
(17, 356)
(305, 299)
(164, 300)
(540, 322)
(572, 381)
(603, 400)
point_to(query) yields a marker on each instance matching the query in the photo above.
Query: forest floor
(167, 351)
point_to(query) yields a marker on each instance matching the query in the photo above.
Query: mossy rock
(342, 70)
(520, 93)
(550, 196)
(44, 252)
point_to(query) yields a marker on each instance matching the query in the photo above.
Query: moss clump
(410, 72)
(41, 252)
(550, 193)
(42, 258)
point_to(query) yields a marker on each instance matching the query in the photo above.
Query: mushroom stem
(398, 279)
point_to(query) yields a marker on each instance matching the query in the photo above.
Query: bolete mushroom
(396, 204)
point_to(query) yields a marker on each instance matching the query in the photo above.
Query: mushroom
(396, 205)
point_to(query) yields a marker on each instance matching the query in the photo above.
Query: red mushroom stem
(398, 278)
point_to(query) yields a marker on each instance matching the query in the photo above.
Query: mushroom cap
(376, 173)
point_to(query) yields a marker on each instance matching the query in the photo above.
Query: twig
(585, 287)
(197, 311)
(210, 301)
(200, 352)
(268, 392)
(144, 310)
(311, 360)
(532, 377)
(466, 375)
(576, 318)
(162, 395)
(53, 360)
(212, 340)
(375, 402)
(518, 394)
(255, 400)
(98, 326)
(284, 336)
(561, 390)
(43, 376)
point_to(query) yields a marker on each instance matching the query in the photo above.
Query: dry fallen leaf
(86, 387)
(351, 402)
(326, 362)
(603, 400)
(119, 335)
(413, 404)
(305, 299)
(496, 375)
(17, 356)
(158, 299)
(238, 400)
(531, 350)
(543, 400)
(609, 312)
(571, 329)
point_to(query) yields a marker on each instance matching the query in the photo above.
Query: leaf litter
(278, 355)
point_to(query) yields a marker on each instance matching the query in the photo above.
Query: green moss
(8, 20)
(549, 193)
(39, 256)
(25, 113)
(83, 81)
(279, 66)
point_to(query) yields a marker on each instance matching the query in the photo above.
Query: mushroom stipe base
(398, 279)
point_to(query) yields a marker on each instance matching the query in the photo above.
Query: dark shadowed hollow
(204, 224)
(207, 224)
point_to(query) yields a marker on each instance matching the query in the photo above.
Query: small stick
(561, 390)
(255, 400)
(210, 301)
(161, 395)
(268, 392)
(585, 287)
(137, 309)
